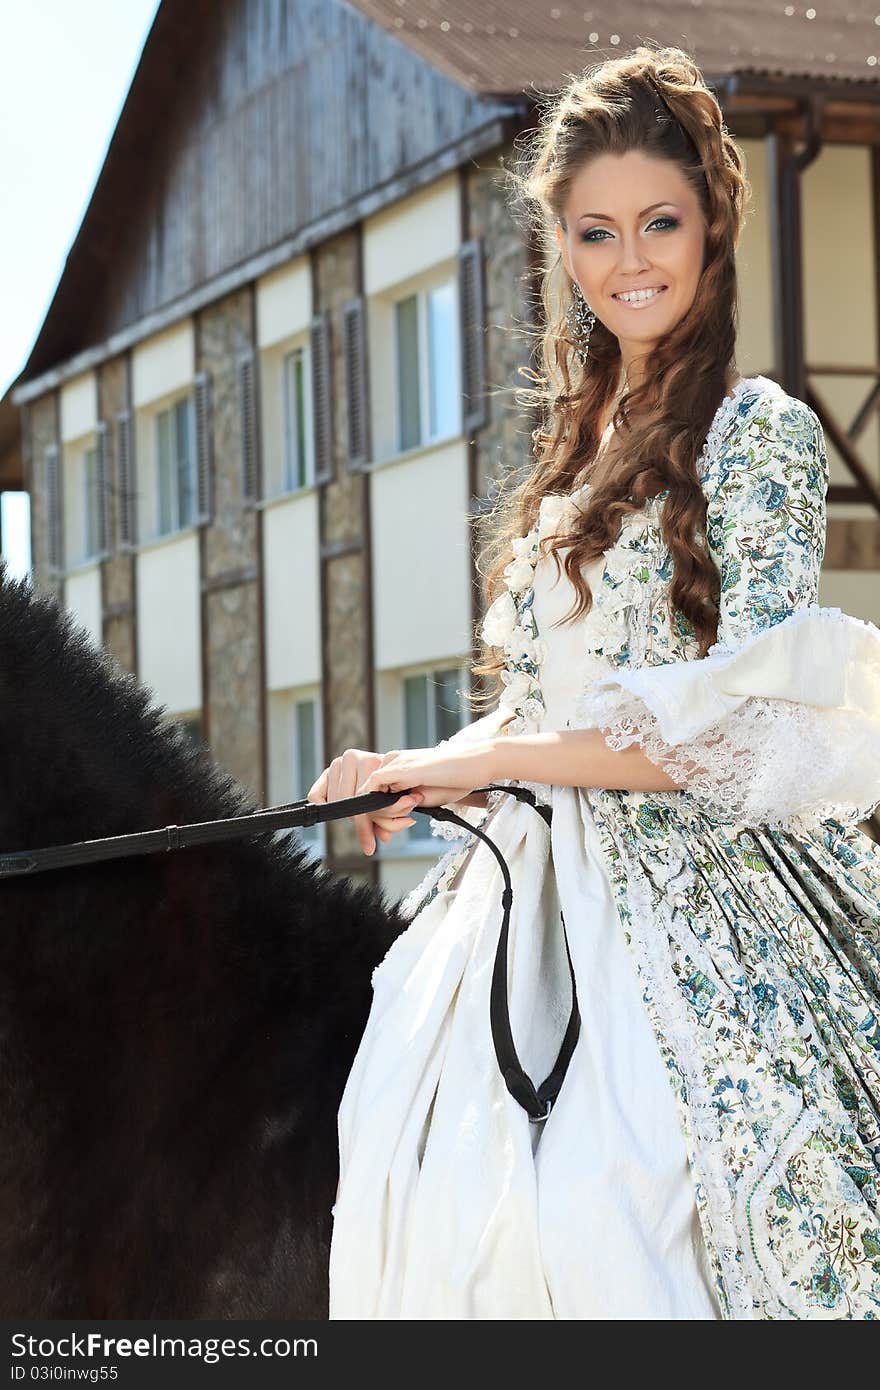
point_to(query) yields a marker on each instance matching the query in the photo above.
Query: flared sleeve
(779, 724)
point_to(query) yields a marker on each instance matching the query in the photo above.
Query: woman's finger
(388, 818)
(318, 790)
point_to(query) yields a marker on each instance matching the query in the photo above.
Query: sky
(65, 69)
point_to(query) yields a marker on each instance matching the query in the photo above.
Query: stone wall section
(118, 573)
(231, 623)
(346, 618)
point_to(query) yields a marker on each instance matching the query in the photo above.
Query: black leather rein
(537, 1102)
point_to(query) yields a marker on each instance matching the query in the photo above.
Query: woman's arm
(575, 758)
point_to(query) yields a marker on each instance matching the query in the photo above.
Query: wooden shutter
(103, 484)
(126, 484)
(322, 397)
(204, 451)
(251, 488)
(55, 537)
(472, 315)
(356, 382)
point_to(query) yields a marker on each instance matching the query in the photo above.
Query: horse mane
(175, 1028)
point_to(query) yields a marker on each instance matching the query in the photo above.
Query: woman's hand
(344, 777)
(425, 776)
(442, 775)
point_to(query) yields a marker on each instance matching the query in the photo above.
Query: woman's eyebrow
(605, 218)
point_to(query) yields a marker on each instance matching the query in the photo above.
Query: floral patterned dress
(715, 1148)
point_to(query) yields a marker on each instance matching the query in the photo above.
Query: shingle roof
(507, 46)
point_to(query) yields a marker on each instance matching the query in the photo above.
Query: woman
(707, 738)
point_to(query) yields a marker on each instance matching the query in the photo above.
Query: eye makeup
(667, 217)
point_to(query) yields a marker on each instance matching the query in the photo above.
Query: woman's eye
(588, 236)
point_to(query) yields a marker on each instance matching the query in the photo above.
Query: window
(176, 467)
(432, 710)
(293, 387)
(15, 533)
(304, 745)
(82, 521)
(295, 760)
(285, 404)
(427, 373)
(92, 504)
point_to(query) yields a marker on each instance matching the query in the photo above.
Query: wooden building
(277, 372)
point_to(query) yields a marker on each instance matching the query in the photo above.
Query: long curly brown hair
(653, 100)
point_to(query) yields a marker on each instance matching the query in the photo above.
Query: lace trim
(542, 791)
(437, 878)
(446, 830)
(808, 612)
(766, 764)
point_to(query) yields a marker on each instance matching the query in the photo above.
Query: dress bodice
(565, 654)
(548, 664)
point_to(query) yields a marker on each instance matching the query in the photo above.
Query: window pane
(417, 734)
(15, 529)
(183, 416)
(300, 419)
(91, 500)
(306, 745)
(415, 712)
(294, 442)
(442, 363)
(288, 406)
(408, 399)
(447, 702)
(307, 760)
(165, 474)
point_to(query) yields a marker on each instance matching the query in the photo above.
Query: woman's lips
(640, 303)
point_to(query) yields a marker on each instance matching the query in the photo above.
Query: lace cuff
(782, 730)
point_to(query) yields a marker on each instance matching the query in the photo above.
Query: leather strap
(536, 1101)
(293, 813)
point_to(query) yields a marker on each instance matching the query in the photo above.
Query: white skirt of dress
(451, 1203)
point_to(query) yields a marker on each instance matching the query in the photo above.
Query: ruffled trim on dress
(782, 730)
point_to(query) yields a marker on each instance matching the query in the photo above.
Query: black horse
(175, 1029)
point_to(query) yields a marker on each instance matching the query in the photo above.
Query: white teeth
(633, 296)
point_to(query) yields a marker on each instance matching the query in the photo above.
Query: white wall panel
(169, 623)
(292, 592)
(840, 315)
(79, 406)
(164, 363)
(82, 596)
(412, 236)
(284, 302)
(421, 569)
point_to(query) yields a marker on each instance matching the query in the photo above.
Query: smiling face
(633, 222)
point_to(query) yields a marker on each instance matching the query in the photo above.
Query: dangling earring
(580, 319)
